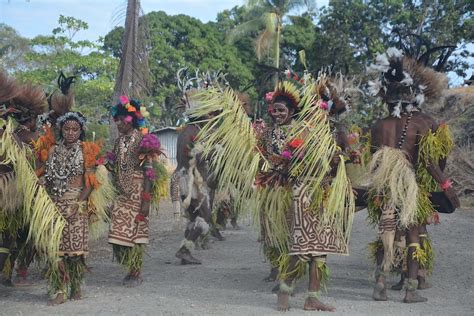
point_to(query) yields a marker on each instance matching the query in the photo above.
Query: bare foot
(313, 304)
(412, 296)
(58, 299)
(132, 281)
(380, 292)
(283, 302)
(234, 224)
(422, 284)
(272, 276)
(76, 296)
(186, 257)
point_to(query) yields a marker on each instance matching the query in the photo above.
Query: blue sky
(35, 17)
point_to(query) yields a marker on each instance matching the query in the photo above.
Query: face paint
(71, 131)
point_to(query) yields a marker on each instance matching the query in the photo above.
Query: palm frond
(39, 211)
(229, 140)
(244, 29)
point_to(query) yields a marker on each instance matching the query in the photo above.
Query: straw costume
(303, 213)
(405, 166)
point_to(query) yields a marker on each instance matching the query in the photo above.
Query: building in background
(168, 137)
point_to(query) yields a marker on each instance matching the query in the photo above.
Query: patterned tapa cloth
(124, 230)
(307, 237)
(75, 237)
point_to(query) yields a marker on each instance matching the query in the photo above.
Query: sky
(35, 17)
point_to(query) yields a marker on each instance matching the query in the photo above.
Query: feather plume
(8, 88)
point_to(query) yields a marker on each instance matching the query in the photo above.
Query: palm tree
(268, 16)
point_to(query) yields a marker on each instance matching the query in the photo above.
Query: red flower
(146, 196)
(139, 218)
(100, 161)
(296, 143)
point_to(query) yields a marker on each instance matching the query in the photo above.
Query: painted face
(280, 113)
(124, 124)
(71, 131)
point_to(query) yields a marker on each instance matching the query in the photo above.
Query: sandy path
(230, 280)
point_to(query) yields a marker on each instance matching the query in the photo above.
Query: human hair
(72, 116)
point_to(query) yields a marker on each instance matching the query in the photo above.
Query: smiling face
(71, 131)
(280, 113)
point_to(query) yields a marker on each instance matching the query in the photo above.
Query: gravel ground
(229, 282)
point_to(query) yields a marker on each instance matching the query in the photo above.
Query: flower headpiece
(132, 109)
(404, 83)
(72, 116)
(29, 103)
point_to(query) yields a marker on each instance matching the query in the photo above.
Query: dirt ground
(229, 282)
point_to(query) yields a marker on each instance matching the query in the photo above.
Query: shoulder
(425, 122)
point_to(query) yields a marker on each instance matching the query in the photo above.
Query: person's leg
(318, 273)
(58, 280)
(287, 285)
(423, 272)
(380, 289)
(415, 254)
(77, 268)
(131, 258)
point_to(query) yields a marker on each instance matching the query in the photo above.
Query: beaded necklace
(404, 132)
(65, 164)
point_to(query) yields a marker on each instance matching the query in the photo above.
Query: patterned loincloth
(75, 237)
(124, 230)
(307, 238)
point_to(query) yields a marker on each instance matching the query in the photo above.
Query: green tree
(182, 41)
(47, 55)
(268, 17)
(13, 47)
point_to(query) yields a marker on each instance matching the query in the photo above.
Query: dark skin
(387, 132)
(71, 132)
(126, 128)
(314, 285)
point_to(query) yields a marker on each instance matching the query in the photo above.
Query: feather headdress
(29, 103)
(404, 83)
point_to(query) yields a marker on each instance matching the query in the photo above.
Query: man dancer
(400, 143)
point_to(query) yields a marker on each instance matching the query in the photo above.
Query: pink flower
(124, 99)
(128, 119)
(286, 154)
(100, 161)
(323, 105)
(150, 174)
(150, 142)
(269, 96)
